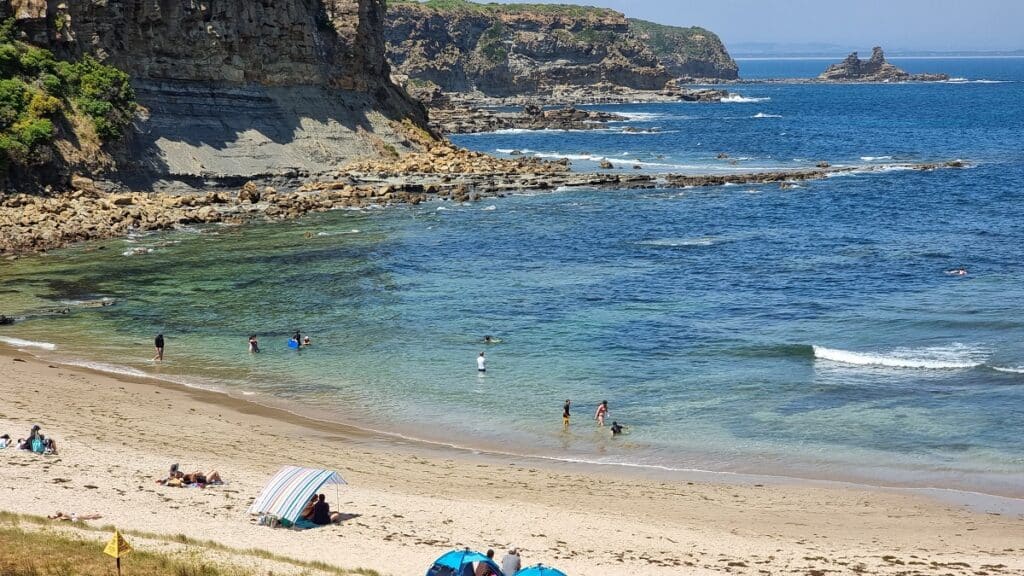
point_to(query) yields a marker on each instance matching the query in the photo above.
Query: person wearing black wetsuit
(158, 343)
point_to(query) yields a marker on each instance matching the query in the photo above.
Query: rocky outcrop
(532, 117)
(237, 88)
(875, 69)
(503, 50)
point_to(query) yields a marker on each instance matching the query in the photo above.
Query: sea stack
(875, 69)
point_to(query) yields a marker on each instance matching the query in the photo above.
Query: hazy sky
(895, 24)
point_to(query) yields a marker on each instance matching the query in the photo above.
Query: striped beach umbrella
(290, 490)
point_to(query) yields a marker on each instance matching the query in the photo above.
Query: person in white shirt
(481, 363)
(511, 563)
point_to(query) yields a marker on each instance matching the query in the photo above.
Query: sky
(938, 25)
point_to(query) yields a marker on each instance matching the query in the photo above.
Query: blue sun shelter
(540, 570)
(461, 563)
(290, 490)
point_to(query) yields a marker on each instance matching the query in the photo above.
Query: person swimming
(961, 271)
(306, 342)
(617, 428)
(491, 340)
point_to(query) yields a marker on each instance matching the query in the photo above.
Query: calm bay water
(810, 332)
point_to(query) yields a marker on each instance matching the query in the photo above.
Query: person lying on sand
(73, 517)
(5, 441)
(177, 479)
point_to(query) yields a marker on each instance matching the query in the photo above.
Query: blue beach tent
(460, 563)
(540, 570)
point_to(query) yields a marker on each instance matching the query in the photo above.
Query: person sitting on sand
(5, 440)
(307, 512)
(322, 514)
(511, 563)
(484, 569)
(49, 446)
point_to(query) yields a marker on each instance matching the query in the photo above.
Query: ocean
(810, 332)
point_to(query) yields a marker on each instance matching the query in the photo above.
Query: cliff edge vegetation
(510, 49)
(55, 113)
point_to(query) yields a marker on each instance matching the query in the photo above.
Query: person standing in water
(602, 413)
(254, 345)
(565, 414)
(481, 363)
(158, 343)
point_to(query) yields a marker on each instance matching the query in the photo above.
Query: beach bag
(38, 446)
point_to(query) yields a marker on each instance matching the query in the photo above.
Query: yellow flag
(117, 546)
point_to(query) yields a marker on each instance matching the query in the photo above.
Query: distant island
(875, 69)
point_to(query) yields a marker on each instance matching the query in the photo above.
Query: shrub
(36, 61)
(42, 105)
(33, 132)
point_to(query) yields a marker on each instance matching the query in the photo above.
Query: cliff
(506, 49)
(236, 88)
(875, 69)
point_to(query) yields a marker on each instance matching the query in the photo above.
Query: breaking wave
(954, 357)
(737, 99)
(19, 343)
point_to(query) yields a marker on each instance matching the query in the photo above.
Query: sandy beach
(409, 503)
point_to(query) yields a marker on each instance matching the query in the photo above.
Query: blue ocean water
(810, 332)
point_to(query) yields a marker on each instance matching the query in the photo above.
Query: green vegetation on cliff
(492, 8)
(40, 96)
(505, 49)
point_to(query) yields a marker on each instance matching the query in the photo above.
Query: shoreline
(408, 503)
(289, 411)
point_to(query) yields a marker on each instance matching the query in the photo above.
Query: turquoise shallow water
(808, 332)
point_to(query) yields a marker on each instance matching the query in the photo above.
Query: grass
(33, 553)
(20, 559)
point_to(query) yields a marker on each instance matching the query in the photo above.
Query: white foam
(137, 251)
(19, 343)
(875, 158)
(343, 232)
(737, 99)
(108, 368)
(953, 357)
(489, 208)
(763, 115)
(679, 242)
(966, 81)
(1014, 370)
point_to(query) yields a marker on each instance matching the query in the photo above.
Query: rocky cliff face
(239, 87)
(875, 69)
(515, 49)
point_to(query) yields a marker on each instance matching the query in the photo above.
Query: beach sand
(407, 503)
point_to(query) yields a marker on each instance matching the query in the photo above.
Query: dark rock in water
(875, 69)
(823, 164)
(6, 320)
(722, 156)
(606, 165)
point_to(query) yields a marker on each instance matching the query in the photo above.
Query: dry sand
(409, 503)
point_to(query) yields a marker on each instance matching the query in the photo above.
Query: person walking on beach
(481, 363)
(602, 413)
(158, 343)
(565, 414)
